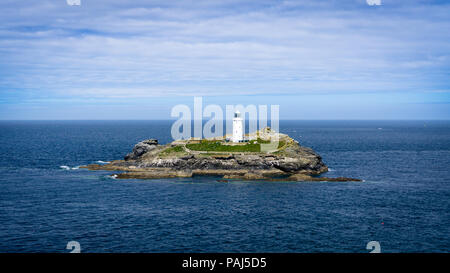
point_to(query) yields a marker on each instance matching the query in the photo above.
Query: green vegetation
(260, 141)
(173, 150)
(282, 145)
(213, 154)
(217, 146)
(281, 148)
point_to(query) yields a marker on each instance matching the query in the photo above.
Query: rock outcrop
(142, 148)
(289, 161)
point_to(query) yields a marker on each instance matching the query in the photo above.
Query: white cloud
(373, 2)
(108, 49)
(73, 2)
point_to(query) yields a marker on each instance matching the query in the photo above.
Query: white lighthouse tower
(238, 127)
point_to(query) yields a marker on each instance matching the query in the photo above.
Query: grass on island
(213, 154)
(217, 146)
(173, 150)
(260, 141)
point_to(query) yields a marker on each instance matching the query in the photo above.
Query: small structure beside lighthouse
(238, 128)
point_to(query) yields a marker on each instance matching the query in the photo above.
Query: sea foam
(102, 162)
(67, 168)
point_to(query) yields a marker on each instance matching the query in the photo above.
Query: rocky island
(288, 161)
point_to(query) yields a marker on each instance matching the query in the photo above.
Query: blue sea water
(403, 202)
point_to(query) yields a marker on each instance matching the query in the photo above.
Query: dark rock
(142, 148)
(151, 141)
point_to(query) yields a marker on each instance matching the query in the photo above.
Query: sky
(317, 59)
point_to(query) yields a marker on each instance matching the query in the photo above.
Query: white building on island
(238, 128)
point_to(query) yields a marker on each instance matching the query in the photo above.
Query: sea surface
(47, 201)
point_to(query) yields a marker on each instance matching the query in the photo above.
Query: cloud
(373, 2)
(113, 49)
(73, 2)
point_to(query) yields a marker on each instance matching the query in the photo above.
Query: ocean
(403, 203)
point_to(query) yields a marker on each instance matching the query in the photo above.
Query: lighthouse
(238, 127)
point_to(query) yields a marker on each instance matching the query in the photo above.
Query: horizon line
(286, 119)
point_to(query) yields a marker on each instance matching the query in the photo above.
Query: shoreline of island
(288, 161)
